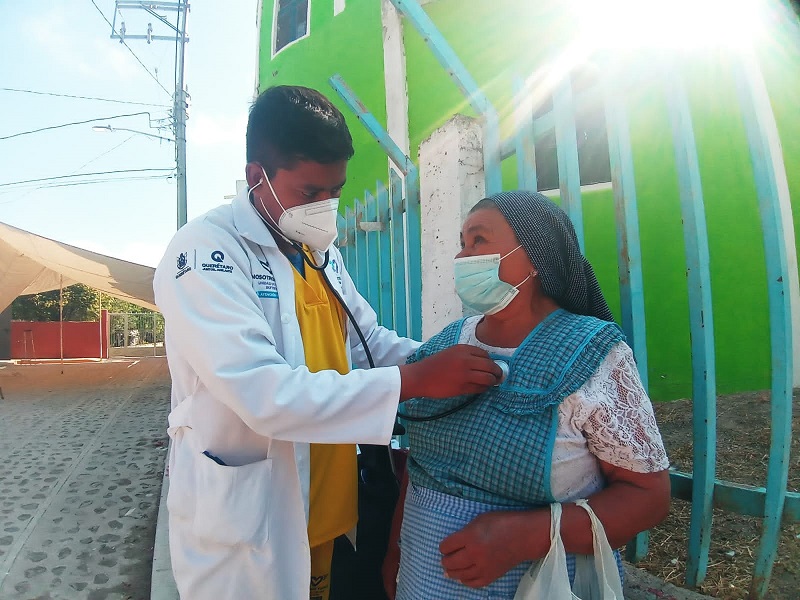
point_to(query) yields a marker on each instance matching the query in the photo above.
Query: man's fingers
(486, 365)
(482, 378)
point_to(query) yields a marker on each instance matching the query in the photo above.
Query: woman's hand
(493, 544)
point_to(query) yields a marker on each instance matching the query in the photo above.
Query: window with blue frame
(590, 128)
(291, 22)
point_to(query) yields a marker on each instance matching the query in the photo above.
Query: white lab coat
(241, 392)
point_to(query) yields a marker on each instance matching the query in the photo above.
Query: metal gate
(136, 334)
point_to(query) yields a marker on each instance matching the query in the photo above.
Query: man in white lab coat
(265, 407)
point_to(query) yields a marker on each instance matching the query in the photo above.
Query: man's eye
(308, 194)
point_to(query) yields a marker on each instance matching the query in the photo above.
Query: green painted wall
(351, 44)
(498, 39)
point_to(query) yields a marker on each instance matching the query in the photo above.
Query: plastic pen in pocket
(214, 458)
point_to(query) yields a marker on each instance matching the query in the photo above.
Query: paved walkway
(81, 484)
(80, 481)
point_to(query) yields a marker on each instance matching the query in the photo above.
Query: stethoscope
(504, 367)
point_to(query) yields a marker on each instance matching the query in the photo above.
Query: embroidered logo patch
(183, 265)
(218, 264)
(264, 283)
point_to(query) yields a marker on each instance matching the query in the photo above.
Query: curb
(162, 584)
(641, 585)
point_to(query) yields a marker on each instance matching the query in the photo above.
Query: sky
(64, 47)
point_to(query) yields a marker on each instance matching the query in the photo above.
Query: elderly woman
(570, 421)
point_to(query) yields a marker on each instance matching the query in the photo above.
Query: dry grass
(742, 456)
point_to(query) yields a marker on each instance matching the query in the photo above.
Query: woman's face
(486, 231)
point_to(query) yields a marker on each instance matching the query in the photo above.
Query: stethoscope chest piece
(504, 368)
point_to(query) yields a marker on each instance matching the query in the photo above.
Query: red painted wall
(81, 339)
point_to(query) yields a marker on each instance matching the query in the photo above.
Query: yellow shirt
(333, 494)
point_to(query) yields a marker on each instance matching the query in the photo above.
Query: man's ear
(253, 174)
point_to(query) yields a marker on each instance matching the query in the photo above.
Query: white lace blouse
(610, 418)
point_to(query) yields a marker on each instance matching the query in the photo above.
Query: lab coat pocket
(180, 496)
(232, 503)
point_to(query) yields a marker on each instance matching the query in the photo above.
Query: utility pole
(180, 97)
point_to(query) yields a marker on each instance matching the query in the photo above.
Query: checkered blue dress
(495, 454)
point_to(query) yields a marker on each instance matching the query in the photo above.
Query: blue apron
(496, 453)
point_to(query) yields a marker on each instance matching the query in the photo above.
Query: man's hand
(455, 371)
(494, 543)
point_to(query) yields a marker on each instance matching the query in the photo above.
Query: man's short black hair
(292, 123)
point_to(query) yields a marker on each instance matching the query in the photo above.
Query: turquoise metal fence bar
(629, 253)
(569, 176)
(456, 70)
(341, 226)
(523, 139)
(362, 264)
(352, 258)
(701, 326)
(397, 236)
(629, 248)
(371, 227)
(768, 167)
(385, 313)
(414, 251)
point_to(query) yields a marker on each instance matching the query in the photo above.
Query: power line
(86, 164)
(131, 51)
(81, 175)
(5, 89)
(8, 137)
(110, 150)
(87, 182)
(108, 180)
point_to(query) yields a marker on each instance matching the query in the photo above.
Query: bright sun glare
(676, 24)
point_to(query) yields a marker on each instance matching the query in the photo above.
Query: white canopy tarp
(30, 264)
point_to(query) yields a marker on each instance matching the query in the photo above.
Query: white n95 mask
(479, 286)
(313, 224)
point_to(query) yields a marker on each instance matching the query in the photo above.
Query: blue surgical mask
(479, 286)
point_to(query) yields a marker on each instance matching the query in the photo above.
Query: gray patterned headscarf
(549, 239)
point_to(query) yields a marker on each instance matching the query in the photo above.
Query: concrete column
(5, 334)
(394, 73)
(451, 182)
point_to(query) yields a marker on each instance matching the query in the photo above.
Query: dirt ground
(742, 457)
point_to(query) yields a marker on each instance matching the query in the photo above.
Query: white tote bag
(596, 579)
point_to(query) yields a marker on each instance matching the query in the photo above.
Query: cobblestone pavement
(82, 462)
